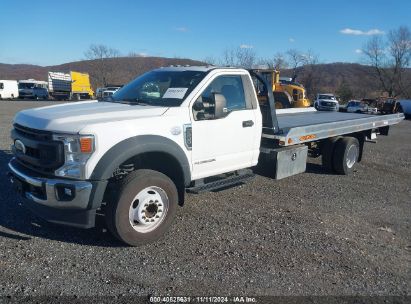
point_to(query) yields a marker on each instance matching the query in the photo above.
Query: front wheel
(144, 208)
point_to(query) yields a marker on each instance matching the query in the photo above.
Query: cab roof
(204, 68)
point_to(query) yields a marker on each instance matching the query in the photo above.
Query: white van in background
(9, 89)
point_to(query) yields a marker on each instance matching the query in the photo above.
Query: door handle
(248, 123)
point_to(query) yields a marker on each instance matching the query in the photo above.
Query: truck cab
(133, 156)
(31, 88)
(326, 102)
(356, 106)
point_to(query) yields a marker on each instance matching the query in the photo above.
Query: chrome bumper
(54, 190)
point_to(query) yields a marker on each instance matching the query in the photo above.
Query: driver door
(227, 143)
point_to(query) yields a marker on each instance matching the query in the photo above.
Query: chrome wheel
(148, 209)
(352, 156)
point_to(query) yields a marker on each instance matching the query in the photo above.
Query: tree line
(390, 57)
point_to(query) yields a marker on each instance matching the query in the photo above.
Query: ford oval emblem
(175, 130)
(18, 144)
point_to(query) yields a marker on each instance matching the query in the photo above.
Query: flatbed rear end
(298, 128)
(338, 137)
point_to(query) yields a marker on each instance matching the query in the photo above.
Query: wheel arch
(145, 150)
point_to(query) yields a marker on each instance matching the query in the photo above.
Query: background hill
(119, 70)
(358, 79)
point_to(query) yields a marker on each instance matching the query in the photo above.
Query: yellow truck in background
(70, 86)
(287, 93)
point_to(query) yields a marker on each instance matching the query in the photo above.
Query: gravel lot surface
(311, 234)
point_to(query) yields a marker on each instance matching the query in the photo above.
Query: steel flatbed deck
(297, 128)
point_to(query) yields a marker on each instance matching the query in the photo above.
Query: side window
(1, 86)
(230, 87)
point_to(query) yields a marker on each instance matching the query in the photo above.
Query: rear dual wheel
(347, 151)
(340, 154)
(327, 151)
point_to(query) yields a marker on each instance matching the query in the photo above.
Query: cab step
(237, 178)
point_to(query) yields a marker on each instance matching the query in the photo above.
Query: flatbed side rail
(304, 134)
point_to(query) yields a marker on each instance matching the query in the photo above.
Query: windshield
(326, 97)
(26, 85)
(159, 88)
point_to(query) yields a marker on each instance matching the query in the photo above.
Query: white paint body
(9, 89)
(225, 141)
(326, 102)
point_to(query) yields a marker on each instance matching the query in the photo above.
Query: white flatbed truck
(133, 157)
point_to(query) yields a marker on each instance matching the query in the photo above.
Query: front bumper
(58, 193)
(327, 108)
(29, 94)
(61, 201)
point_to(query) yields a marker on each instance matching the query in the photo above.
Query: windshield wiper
(134, 101)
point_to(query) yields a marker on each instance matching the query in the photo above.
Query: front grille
(33, 133)
(42, 153)
(328, 104)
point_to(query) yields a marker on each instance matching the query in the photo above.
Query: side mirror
(220, 106)
(198, 105)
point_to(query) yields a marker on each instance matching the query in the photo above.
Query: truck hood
(72, 117)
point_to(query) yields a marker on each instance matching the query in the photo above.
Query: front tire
(346, 153)
(144, 208)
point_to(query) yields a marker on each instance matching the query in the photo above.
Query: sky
(55, 32)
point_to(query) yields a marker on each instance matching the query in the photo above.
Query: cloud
(291, 40)
(246, 46)
(138, 54)
(182, 29)
(348, 31)
(358, 51)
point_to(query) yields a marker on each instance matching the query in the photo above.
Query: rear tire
(144, 208)
(346, 153)
(327, 151)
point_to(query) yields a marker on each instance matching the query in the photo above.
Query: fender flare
(126, 149)
(133, 146)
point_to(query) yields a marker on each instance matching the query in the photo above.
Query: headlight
(77, 151)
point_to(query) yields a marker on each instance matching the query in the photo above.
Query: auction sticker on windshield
(175, 93)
